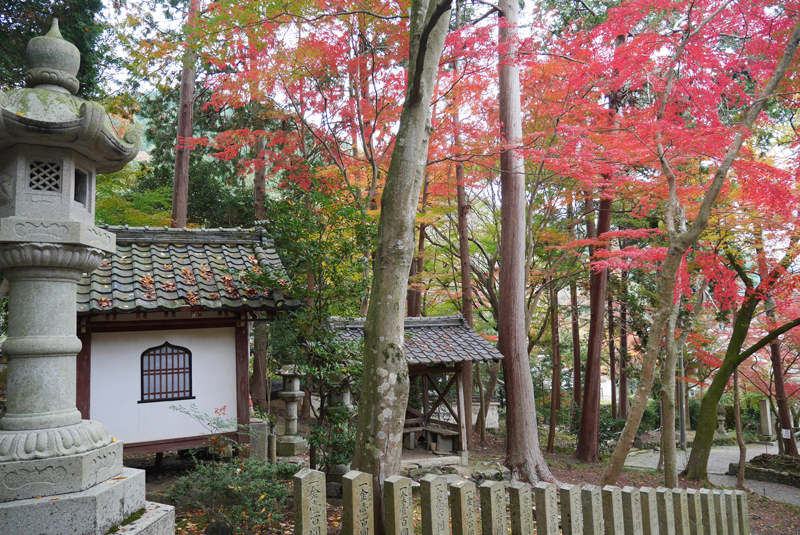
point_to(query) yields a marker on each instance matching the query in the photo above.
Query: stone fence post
(590, 510)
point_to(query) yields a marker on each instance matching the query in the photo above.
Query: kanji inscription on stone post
(399, 506)
(435, 514)
(358, 514)
(521, 505)
(310, 508)
(464, 508)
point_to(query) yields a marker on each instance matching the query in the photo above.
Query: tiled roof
(168, 269)
(434, 340)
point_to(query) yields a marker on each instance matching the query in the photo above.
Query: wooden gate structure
(435, 346)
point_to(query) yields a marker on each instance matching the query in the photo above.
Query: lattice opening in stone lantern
(45, 176)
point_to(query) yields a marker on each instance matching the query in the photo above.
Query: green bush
(245, 494)
(651, 418)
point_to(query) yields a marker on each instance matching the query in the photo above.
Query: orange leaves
(104, 302)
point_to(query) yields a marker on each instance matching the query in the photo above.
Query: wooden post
(461, 409)
(242, 341)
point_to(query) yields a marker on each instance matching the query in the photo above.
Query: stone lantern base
(291, 446)
(93, 511)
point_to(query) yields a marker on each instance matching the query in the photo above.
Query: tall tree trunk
(259, 386)
(576, 344)
(575, 327)
(180, 185)
(785, 432)
(466, 288)
(678, 244)
(611, 356)
(384, 392)
(737, 416)
(555, 390)
(623, 348)
(414, 294)
(463, 238)
(668, 403)
(523, 454)
(588, 447)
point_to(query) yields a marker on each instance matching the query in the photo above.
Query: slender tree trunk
(384, 392)
(466, 287)
(482, 397)
(612, 357)
(678, 244)
(523, 453)
(555, 390)
(576, 344)
(737, 416)
(785, 432)
(668, 403)
(259, 385)
(463, 237)
(414, 294)
(623, 348)
(180, 186)
(588, 448)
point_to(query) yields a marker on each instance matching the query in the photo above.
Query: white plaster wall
(116, 383)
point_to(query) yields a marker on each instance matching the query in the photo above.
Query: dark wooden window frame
(185, 393)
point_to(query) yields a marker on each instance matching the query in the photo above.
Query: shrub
(245, 494)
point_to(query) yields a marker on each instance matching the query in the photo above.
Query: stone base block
(90, 512)
(158, 519)
(291, 446)
(258, 440)
(20, 480)
(767, 438)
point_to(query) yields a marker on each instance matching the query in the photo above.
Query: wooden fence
(544, 510)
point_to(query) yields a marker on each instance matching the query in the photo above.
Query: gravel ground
(718, 462)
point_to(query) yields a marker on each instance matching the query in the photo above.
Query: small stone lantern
(290, 444)
(721, 420)
(52, 145)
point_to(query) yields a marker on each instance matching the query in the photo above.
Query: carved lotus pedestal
(48, 454)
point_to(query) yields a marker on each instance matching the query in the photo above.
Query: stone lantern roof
(47, 112)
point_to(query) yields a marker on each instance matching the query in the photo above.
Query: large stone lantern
(52, 145)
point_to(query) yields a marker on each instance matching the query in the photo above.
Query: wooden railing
(544, 509)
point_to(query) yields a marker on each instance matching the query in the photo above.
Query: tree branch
(414, 94)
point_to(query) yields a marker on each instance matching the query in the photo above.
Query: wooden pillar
(424, 400)
(242, 337)
(84, 375)
(461, 409)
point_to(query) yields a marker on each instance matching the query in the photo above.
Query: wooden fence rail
(569, 511)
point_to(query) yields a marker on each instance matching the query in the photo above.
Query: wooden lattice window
(166, 373)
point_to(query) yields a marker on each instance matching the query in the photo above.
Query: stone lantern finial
(53, 62)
